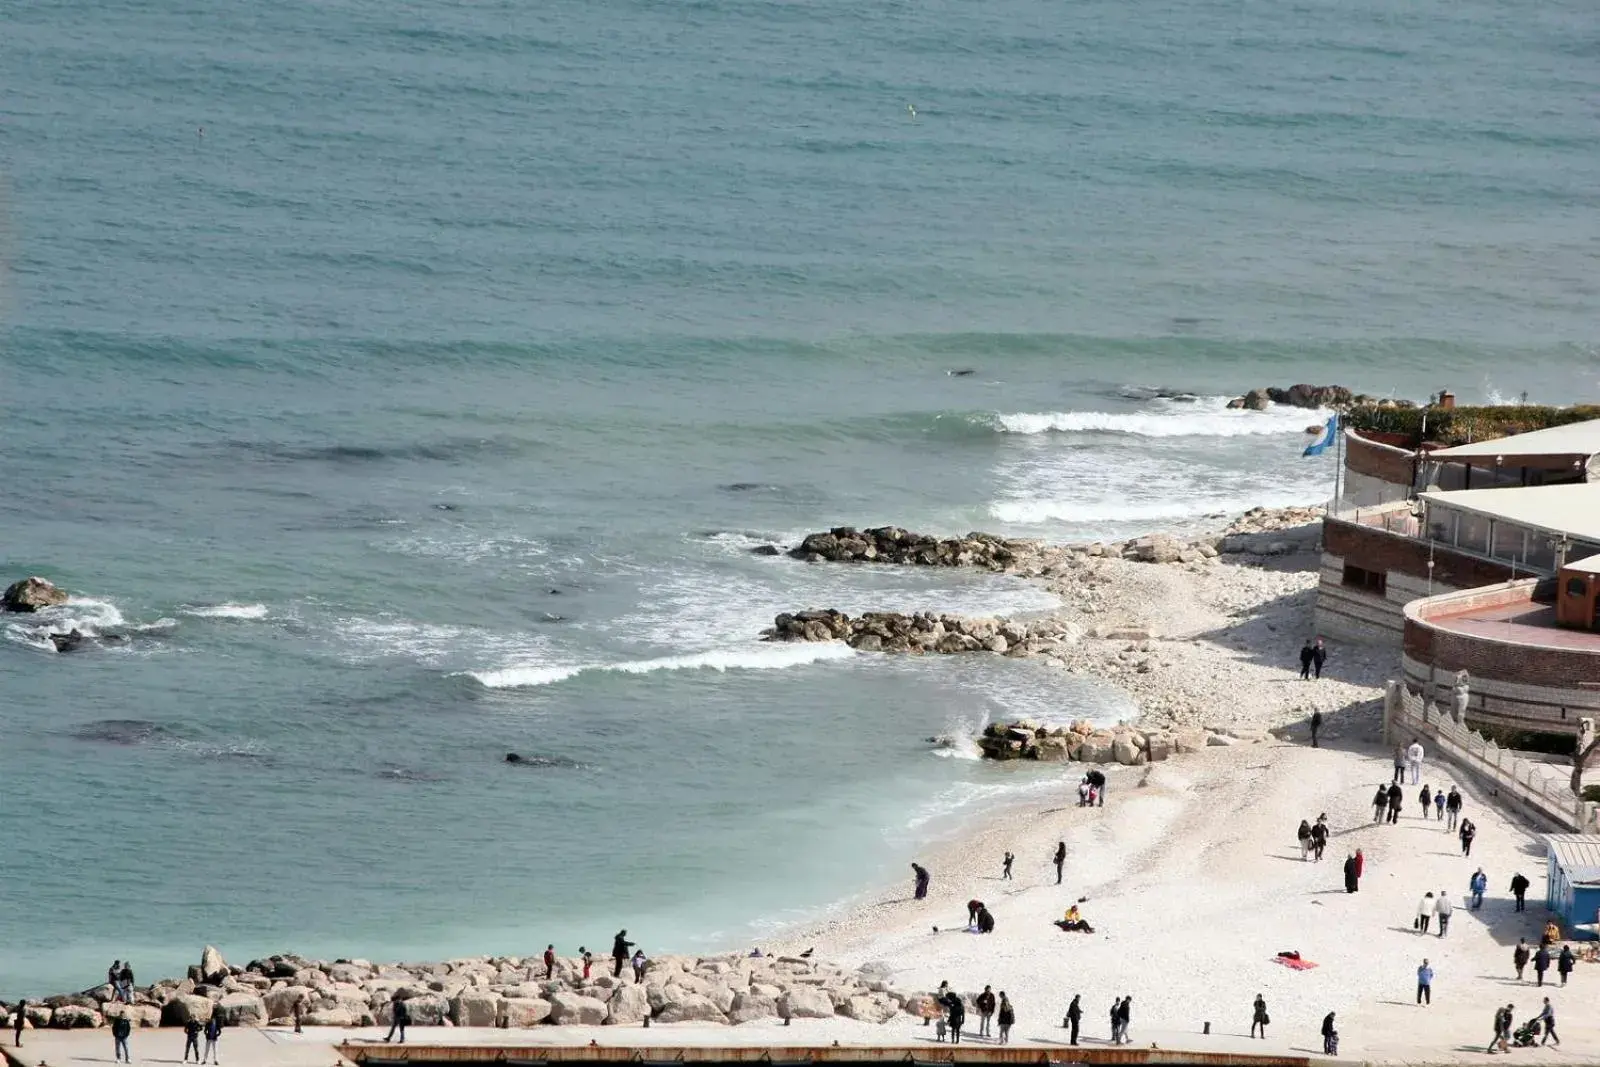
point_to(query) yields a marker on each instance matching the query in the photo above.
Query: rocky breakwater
(30, 595)
(891, 544)
(1083, 742)
(924, 632)
(486, 991)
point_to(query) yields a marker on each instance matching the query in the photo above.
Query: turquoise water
(408, 383)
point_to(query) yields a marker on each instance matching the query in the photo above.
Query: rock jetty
(888, 631)
(1250, 535)
(1312, 396)
(1084, 742)
(487, 991)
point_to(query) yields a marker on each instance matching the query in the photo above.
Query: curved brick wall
(1383, 462)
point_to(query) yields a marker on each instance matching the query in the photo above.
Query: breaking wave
(764, 657)
(228, 611)
(1210, 417)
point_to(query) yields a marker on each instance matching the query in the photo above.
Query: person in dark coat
(1097, 779)
(957, 1016)
(1116, 1020)
(1396, 798)
(1330, 1036)
(1452, 807)
(985, 921)
(1425, 798)
(1007, 1018)
(1259, 1017)
(1519, 888)
(191, 1040)
(1060, 859)
(120, 1029)
(1541, 962)
(973, 907)
(1074, 1017)
(619, 952)
(401, 1020)
(1316, 727)
(1520, 956)
(1307, 654)
(984, 1002)
(1303, 835)
(1125, 1017)
(1565, 963)
(1319, 656)
(20, 1019)
(1380, 803)
(1319, 836)
(214, 1031)
(1351, 881)
(1468, 831)
(920, 873)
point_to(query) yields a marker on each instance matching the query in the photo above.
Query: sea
(397, 385)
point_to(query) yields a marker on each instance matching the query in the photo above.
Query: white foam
(1208, 417)
(469, 547)
(755, 658)
(228, 611)
(1103, 510)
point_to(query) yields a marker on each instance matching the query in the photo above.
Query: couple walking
(999, 1011)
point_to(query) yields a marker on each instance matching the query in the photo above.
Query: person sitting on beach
(985, 921)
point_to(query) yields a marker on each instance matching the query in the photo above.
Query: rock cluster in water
(31, 594)
(487, 991)
(889, 631)
(1026, 739)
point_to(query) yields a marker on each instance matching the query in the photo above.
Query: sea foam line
(1207, 418)
(1036, 510)
(228, 611)
(765, 657)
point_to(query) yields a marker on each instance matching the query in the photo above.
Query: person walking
(191, 1040)
(985, 1005)
(1319, 656)
(214, 1032)
(1303, 835)
(1007, 1018)
(1060, 859)
(1479, 884)
(1316, 727)
(1520, 956)
(19, 1019)
(1074, 1018)
(619, 951)
(1541, 963)
(1399, 764)
(957, 1017)
(1502, 1031)
(1452, 808)
(1425, 983)
(549, 962)
(299, 1016)
(1396, 798)
(1565, 962)
(1425, 798)
(1547, 1015)
(1414, 761)
(920, 885)
(1444, 909)
(1259, 1018)
(1380, 803)
(1468, 831)
(1519, 889)
(1351, 882)
(1125, 1017)
(1005, 867)
(1330, 1036)
(120, 1029)
(1319, 836)
(1307, 654)
(1438, 806)
(114, 979)
(1424, 912)
(1116, 1020)
(399, 1020)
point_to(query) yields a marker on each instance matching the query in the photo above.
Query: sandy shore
(1192, 874)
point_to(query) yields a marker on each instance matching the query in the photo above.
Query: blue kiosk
(1573, 886)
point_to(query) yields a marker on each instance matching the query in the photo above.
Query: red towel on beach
(1299, 965)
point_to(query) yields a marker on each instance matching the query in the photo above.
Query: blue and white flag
(1327, 438)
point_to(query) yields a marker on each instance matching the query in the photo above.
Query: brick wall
(1379, 550)
(1376, 460)
(1483, 657)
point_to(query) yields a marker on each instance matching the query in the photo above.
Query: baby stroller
(1526, 1035)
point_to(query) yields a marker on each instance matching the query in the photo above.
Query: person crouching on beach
(920, 874)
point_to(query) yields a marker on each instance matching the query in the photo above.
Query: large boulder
(519, 1012)
(213, 968)
(629, 1005)
(281, 1002)
(428, 1009)
(748, 1007)
(805, 1002)
(870, 1009)
(329, 1017)
(1158, 548)
(185, 1008)
(241, 1009)
(475, 1009)
(1096, 748)
(30, 595)
(1158, 745)
(141, 1016)
(1125, 750)
(573, 1009)
(75, 1017)
(1256, 400)
(682, 1006)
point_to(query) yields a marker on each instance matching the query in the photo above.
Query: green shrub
(1462, 425)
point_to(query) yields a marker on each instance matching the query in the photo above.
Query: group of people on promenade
(1313, 838)
(993, 1010)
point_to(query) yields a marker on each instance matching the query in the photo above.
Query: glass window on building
(1442, 525)
(1541, 551)
(1473, 533)
(1508, 541)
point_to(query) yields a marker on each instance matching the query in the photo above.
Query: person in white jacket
(1424, 913)
(1414, 761)
(1444, 908)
